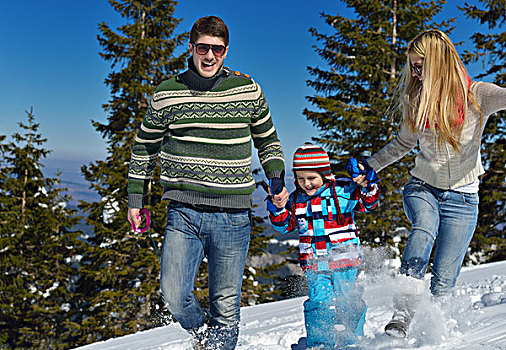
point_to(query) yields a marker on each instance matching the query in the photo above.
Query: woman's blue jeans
(222, 237)
(444, 216)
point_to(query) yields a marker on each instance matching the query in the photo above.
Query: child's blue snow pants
(334, 311)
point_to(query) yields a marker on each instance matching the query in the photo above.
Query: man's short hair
(210, 25)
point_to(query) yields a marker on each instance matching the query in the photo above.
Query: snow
(473, 317)
(111, 208)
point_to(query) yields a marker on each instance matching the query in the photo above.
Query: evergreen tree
(353, 99)
(36, 289)
(490, 50)
(120, 273)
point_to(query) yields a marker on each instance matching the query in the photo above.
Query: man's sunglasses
(416, 70)
(203, 49)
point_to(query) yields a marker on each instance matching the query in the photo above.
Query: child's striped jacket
(327, 240)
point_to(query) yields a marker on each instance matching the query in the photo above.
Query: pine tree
(353, 99)
(489, 49)
(120, 274)
(37, 242)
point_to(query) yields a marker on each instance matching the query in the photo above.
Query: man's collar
(195, 81)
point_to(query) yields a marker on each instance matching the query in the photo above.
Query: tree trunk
(25, 180)
(393, 70)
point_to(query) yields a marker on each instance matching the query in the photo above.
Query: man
(201, 124)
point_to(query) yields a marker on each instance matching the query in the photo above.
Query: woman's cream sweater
(443, 167)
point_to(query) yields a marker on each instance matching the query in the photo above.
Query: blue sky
(49, 60)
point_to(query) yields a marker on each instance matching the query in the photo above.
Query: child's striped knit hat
(313, 158)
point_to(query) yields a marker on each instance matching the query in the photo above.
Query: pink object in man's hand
(146, 227)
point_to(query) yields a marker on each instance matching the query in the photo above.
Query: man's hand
(278, 192)
(133, 216)
(276, 185)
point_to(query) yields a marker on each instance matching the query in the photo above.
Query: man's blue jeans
(446, 216)
(222, 237)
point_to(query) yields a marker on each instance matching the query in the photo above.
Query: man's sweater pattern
(203, 140)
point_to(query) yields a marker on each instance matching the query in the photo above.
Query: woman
(445, 113)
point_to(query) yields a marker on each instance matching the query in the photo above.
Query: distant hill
(71, 178)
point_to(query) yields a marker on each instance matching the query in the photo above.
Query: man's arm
(142, 163)
(265, 140)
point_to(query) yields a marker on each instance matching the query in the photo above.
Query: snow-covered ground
(473, 318)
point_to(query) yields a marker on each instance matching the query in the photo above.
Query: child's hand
(361, 172)
(276, 202)
(278, 192)
(361, 179)
(272, 207)
(280, 199)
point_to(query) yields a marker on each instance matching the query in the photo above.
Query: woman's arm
(395, 150)
(491, 97)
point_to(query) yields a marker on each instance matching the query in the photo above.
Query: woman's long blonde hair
(439, 102)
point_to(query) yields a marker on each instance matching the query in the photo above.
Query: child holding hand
(322, 209)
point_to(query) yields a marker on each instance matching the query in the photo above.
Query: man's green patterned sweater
(201, 129)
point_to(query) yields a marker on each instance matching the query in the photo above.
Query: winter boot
(200, 344)
(399, 324)
(201, 335)
(405, 304)
(200, 338)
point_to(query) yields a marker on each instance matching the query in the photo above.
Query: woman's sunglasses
(203, 49)
(416, 70)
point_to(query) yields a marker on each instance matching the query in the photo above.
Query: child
(322, 209)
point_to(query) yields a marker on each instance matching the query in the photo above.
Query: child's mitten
(354, 170)
(272, 208)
